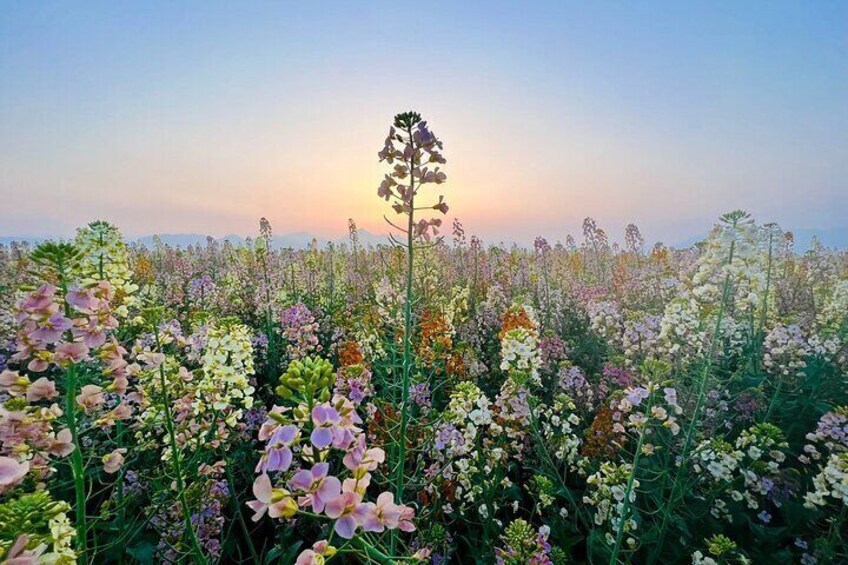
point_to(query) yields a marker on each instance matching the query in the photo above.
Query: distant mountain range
(298, 240)
(836, 238)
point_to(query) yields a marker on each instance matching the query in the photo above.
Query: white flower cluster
(698, 558)
(605, 318)
(831, 482)
(520, 352)
(834, 312)
(607, 490)
(105, 258)
(559, 426)
(681, 332)
(785, 351)
(520, 345)
(730, 276)
(469, 423)
(745, 471)
(224, 384)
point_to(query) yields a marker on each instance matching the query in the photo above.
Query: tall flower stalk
(152, 316)
(733, 220)
(418, 149)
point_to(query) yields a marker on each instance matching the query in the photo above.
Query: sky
(201, 117)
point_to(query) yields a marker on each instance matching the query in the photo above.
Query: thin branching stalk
(176, 459)
(631, 480)
(696, 414)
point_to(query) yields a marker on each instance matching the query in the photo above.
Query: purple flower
(317, 485)
(278, 453)
(326, 420)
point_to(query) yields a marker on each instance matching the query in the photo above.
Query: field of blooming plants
(428, 400)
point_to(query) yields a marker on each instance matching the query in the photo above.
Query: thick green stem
(77, 464)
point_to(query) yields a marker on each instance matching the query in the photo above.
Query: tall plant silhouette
(415, 154)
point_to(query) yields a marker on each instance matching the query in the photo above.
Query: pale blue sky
(203, 116)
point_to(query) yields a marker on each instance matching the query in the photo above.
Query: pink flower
(383, 515)
(52, 330)
(13, 383)
(40, 389)
(315, 556)
(12, 472)
(319, 487)
(121, 412)
(362, 459)
(41, 299)
(62, 444)
(91, 333)
(344, 510)
(113, 462)
(90, 397)
(68, 353)
(82, 301)
(38, 365)
(20, 555)
(277, 502)
(407, 514)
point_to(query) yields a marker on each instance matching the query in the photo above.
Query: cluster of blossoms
(785, 351)
(105, 257)
(300, 330)
(225, 382)
(418, 148)
(572, 381)
(210, 496)
(831, 481)
(36, 529)
(208, 403)
(524, 545)
(748, 470)
(605, 318)
(559, 426)
(465, 434)
(607, 490)
(28, 440)
(632, 413)
(730, 278)
(303, 446)
(62, 329)
(681, 331)
(353, 379)
(722, 549)
(520, 343)
(640, 339)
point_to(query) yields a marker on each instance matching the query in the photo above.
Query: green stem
(625, 509)
(690, 430)
(176, 461)
(234, 497)
(77, 464)
(407, 336)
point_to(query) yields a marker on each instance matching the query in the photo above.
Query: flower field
(435, 399)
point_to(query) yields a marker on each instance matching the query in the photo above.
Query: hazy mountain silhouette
(833, 238)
